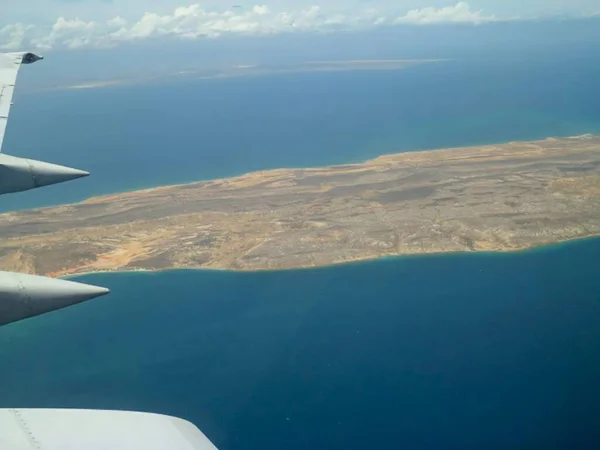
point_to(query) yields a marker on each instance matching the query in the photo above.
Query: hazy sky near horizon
(55, 24)
(103, 9)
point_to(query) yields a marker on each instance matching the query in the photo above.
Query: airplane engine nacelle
(21, 174)
(23, 296)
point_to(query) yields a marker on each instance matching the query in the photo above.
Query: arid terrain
(497, 197)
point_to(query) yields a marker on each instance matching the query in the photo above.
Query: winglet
(9, 67)
(30, 58)
(25, 57)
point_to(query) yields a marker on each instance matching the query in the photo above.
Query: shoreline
(501, 198)
(410, 256)
(274, 171)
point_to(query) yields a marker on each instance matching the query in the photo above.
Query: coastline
(501, 198)
(261, 172)
(275, 171)
(550, 246)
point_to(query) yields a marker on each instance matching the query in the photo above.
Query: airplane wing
(23, 296)
(9, 68)
(76, 429)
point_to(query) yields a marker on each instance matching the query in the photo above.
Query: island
(484, 198)
(218, 71)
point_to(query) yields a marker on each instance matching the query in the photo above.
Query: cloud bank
(459, 13)
(193, 22)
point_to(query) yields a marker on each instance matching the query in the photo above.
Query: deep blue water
(141, 136)
(456, 352)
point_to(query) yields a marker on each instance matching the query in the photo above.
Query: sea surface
(463, 351)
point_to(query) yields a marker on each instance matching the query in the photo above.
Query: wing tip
(27, 57)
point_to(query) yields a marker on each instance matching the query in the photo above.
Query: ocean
(458, 351)
(453, 351)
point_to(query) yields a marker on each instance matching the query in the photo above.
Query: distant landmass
(242, 70)
(314, 66)
(486, 198)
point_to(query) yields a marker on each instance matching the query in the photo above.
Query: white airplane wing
(72, 429)
(78, 429)
(9, 68)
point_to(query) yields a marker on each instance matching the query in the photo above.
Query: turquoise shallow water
(450, 351)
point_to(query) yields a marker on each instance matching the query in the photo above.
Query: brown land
(495, 197)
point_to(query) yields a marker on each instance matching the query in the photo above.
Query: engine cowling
(22, 174)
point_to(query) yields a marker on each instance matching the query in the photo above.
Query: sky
(75, 24)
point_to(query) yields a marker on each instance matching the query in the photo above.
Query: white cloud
(192, 21)
(261, 10)
(117, 22)
(13, 36)
(71, 33)
(459, 13)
